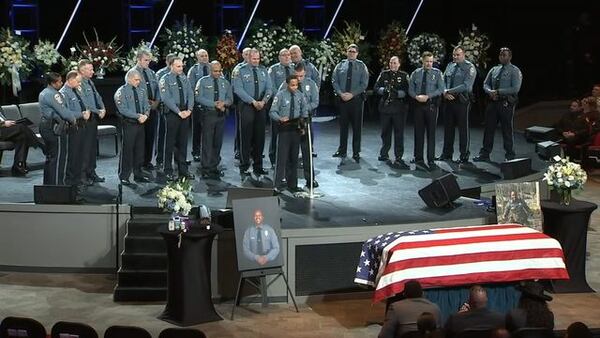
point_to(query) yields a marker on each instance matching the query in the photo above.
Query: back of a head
(478, 297)
(578, 330)
(426, 323)
(412, 289)
(500, 333)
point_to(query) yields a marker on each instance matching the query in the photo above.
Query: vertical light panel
(68, 24)
(248, 24)
(414, 17)
(333, 19)
(161, 23)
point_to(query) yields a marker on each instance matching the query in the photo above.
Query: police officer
(310, 69)
(214, 96)
(197, 71)
(71, 91)
(502, 85)
(350, 79)
(178, 98)
(278, 72)
(237, 104)
(150, 87)
(93, 102)
(392, 85)
(161, 128)
(426, 85)
(458, 78)
(252, 84)
(56, 117)
(133, 106)
(289, 111)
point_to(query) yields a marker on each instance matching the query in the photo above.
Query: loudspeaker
(547, 150)
(441, 192)
(54, 194)
(537, 134)
(516, 168)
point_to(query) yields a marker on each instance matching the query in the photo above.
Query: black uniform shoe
(19, 171)
(314, 185)
(383, 158)
(260, 171)
(510, 157)
(148, 166)
(356, 158)
(170, 177)
(128, 183)
(141, 179)
(444, 157)
(420, 165)
(400, 164)
(294, 190)
(338, 154)
(481, 158)
(462, 161)
(188, 176)
(197, 158)
(97, 179)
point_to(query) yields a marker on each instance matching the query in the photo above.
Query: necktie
(349, 77)
(292, 105)
(216, 91)
(287, 71)
(424, 83)
(136, 98)
(453, 75)
(79, 99)
(255, 74)
(260, 249)
(91, 83)
(148, 87)
(182, 104)
(205, 70)
(497, 80)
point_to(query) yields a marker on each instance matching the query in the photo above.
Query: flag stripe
(468, 240)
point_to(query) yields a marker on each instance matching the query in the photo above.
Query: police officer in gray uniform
(178, 97)
(502, 85)
(278, 72)
(392, 85)
(56, 117)
(459, 78)
(252, 84)
(237, 104)
(310, 69)
(161, 128)
(133, 107)
(93, 102)
(289, 110)
(350, 79)
(426, 86)
(71, 91)
(214, 96)
(150, 86)
(197, 71)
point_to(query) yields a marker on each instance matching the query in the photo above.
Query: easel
(261, 286)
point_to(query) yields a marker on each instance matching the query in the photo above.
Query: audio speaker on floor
(547, 149)
(54, 194)
(441, 192)
(516, 168)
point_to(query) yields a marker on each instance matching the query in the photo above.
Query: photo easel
(258, 279)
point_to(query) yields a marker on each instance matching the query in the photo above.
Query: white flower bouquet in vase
(563, 177)
(177, 199)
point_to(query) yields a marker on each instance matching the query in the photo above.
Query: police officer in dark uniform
(252, 84)
(178, 98)
(502, 84)
(133, 107)
(196, 72)
(93, 102)
(162, 111)
(56, 118)
(426, 86)
(278, 73)
(350, 79)
(214, 96)
(392, 85)
(459, 78)
(71, 91)
(289, 111)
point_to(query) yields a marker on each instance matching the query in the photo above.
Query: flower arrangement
(426, 42)
(130, 61)
(476, 46)
(227, 52)
(351, 34)
(263, 38)
(183, 39)
(289, 35)
(564, 176)
(176, 197)
(103, 55)
(392, 42)
(15, 59)
(323, 54)
(46, 55)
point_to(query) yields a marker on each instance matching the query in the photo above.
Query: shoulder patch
(472, 70)
(58, 98)
(236, 72)
(118, 95)
(275, 99)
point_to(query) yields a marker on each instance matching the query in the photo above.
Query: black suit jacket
(482, 318)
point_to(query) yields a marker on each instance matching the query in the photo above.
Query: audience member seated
(596, 93)
(500, 333)
(532, 310)
(474, 314)
(581, 130)
(578, 330)
(428, 327)
(22, 137)
(566, 122)
(402, 315)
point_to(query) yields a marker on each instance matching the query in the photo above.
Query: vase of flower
(563, 177)
(100, 73)
(561, 196)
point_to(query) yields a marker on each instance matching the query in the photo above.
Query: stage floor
(368, 193)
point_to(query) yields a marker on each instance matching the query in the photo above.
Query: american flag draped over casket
(458, 256)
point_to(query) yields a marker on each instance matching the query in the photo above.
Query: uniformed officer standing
(133, 106)
(162, 111)
(502, 84)
(93, 102)
(252, 84)
(426, 85)
(56, 117)
(278, 72)
(214, 95)
(72, 93)
(178, 98)
(392, 85)
(310, 69)
(150, 86)
(289, 110)
(197, 71)
(237, 104)
(350, 79)
(459, 78)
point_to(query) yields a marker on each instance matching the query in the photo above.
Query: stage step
(149, 226)
(144, 244)
(136, 261)
(142, 278)
(139, 294)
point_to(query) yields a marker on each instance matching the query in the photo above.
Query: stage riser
(145, 261)
(141, 278)
(145, 227)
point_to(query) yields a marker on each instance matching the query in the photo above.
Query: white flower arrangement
(289, 35)
(322, 53)
(565, 175)
(46, 54)
(476, 46)
(130, 60)
(15, 59)
(176, 197)
(183, 39)
(426, 42)
(263, 38)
